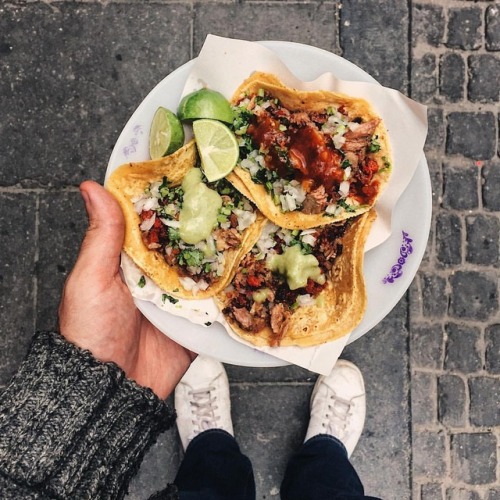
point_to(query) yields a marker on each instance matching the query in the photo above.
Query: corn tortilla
(129, 181)
(338, 309)
(309, 101)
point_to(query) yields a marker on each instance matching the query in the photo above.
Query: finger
(101, 247)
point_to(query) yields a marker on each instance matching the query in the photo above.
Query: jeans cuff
(327, 437)
(204, 434)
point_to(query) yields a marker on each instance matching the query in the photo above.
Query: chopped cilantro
(345, 164)
(265, 176)
(374, 146)
(164, 189)
(346, 206)
(387, 163)
(306, 249)
(171, 299)
(241, 119)
(191, 257)
(142, 282)
(173, 234)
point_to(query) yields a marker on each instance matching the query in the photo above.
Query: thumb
(101, 247)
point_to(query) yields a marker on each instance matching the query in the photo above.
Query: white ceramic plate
(389, 268)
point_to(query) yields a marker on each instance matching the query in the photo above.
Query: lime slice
(205, 103)
(166, 134)
(217, 146)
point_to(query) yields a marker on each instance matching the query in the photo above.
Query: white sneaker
(202, 400)
(338, 405)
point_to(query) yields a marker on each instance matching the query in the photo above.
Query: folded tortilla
(338, 308)
(128, 182)
(311, 102)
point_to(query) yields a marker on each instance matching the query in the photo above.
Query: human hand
(97, 311)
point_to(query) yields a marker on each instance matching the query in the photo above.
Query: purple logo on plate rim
(133, 142)
(404, 251)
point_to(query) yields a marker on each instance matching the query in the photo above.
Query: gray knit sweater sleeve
(72, 427)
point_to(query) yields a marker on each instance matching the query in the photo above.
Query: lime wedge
(205, 103)
(217, 146)
(166, 134)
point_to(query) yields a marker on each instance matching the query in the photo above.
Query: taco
(307, 158)
(299, 287)
(185, 234)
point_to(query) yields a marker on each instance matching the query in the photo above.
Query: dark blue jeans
(215, 469)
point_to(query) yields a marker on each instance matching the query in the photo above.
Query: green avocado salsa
(200, 208)
(297, 267)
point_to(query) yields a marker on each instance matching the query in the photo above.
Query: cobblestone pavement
(71, 75)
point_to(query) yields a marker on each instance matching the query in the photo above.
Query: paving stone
(461, 494)
(492, 31)
(431, 491)
(17, 262)
(484, 75)
(435, 171)
(473, 295)
(473, 458)
(434, 296)
(460, 187)
(423, 398)
(279, 374)
(428, 454)
(491, 187)
(71, 92)
(483, 233)
(270, 445)
(484, 401)
(424, 78)
(464, 28)
(448, 239)
(63, 222)
(428, 24)
(462, 351)
(378, 449)
(452, 76)
(471, 134)
(436, 134)
(493, 494)
(312, 24)
(492, 340)
(367, 29)
(159, 466)
(426, 346)
(451, 400)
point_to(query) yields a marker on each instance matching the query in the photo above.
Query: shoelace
(340, 412)
(203, 409)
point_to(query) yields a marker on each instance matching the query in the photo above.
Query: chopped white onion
(344, 188)
(285, 235)
(305, 300)
(330, 209)
(187, 282)
(147, 224)
(295, 190)
(338, 141)
(171, 223)
(309, 239)
(245, 219)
